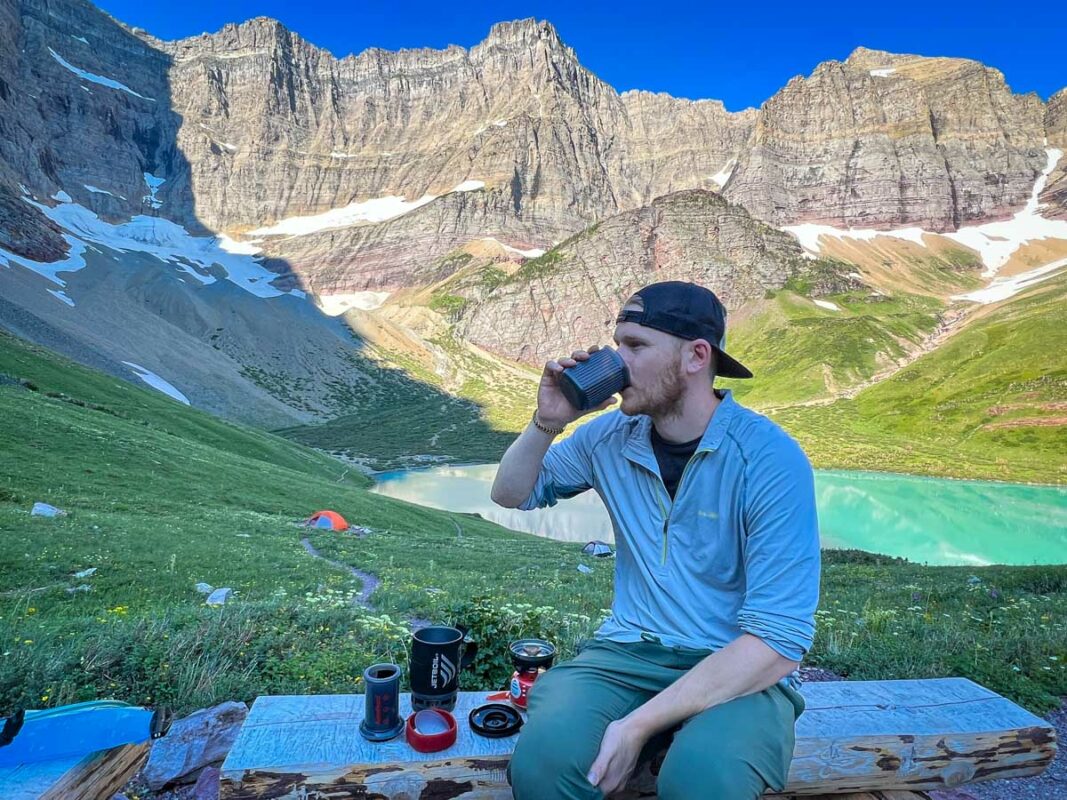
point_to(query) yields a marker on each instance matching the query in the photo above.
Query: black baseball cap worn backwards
(687, 311)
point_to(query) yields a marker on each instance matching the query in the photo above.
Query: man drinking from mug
(716, 580)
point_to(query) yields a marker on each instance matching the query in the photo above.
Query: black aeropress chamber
(589, 383)
(531, 654)
(381, 718)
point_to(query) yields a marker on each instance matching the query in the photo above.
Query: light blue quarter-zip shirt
(736, 551)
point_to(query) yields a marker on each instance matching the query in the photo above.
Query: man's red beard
(661, 400)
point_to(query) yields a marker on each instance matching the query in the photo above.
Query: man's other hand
(617, 758)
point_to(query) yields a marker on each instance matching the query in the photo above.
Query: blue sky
(740, 53)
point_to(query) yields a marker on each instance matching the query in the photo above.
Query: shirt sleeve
(781, 551)
(567, 470)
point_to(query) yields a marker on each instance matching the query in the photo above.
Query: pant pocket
(795, 698)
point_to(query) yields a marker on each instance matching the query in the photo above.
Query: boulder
(219, 596)
(199, 740)
(46, 510)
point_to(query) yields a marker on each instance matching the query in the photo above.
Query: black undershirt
(672, 458)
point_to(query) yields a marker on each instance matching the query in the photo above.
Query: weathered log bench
(93, 777)
(893, 738)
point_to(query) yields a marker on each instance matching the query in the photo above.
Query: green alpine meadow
(160, 497)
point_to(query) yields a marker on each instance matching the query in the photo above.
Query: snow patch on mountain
(94, 78)
(723, 175)
(98, 190)
(196, 255)
(531, 253)
(60, 296)
(469, 186)
(808, 234)
(334, 305)
(157, 382)
(50, 270)
(996, 242)
(153, 183)
(378, 209)
(1006, 287)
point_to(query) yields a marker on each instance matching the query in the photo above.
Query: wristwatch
(544, 428)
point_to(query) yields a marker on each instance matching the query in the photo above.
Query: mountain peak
(865, 53)
(523, 31)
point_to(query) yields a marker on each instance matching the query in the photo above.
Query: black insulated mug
(438, 653)
(381, 719)
(589, 383)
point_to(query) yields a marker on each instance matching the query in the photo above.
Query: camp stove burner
(529, 654)
(531, 657)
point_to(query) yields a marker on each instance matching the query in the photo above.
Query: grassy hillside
(437, 400)
(991, 403)
(161, 496)
(800, 351)
(422, 417)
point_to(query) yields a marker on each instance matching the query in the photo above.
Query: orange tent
(330, 520)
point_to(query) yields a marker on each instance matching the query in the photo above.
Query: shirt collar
(720, 422)
(638, 447)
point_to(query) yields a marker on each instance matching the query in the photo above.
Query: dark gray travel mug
(381, 719)
(438, 654)
(589, 383)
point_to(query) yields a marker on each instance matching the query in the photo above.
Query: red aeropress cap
(430, 730)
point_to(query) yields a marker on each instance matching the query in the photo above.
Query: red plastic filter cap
(430, 730)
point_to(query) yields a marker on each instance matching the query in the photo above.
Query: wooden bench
(94, 777)
(892, 738)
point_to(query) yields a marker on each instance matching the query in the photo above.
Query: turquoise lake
(927, 520)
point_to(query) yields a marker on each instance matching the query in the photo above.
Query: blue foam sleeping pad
(76, 730)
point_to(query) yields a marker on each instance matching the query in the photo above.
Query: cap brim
(728, 367)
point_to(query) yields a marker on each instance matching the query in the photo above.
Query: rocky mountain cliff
(882, 139)
(572, 293)
(1055, 194)
(307, 132)
(84, 108)
(252, 125)
(121, 155)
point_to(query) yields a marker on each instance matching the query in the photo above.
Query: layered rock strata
(1055, 195)
(252, 125)
(883, 140)
(571, 295)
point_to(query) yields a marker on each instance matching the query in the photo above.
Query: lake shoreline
(928, 521)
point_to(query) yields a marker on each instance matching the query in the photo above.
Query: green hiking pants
(733, 751)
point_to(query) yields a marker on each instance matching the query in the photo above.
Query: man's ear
(701, 356)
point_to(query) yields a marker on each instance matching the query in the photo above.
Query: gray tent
(598, 549)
